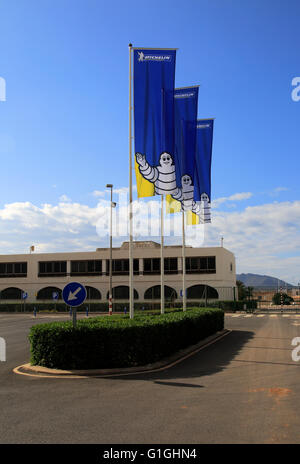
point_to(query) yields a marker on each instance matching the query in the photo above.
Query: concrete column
(103, 266)
(68, 269)
(179, 261)
(141, 266)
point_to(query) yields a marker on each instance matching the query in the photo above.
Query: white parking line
(261, 315)
(236, 315)
(273, 315)
(248, 315)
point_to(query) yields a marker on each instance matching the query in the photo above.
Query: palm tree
(242, 291)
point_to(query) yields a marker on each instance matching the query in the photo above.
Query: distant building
(210, 270)
(265, 296)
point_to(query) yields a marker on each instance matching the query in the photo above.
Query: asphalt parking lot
(242, 389)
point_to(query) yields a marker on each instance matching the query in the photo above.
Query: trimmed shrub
(235, 305)
(118, 341)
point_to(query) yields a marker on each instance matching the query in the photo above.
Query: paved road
(243, 389)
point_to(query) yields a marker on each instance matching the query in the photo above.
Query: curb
(166, 363)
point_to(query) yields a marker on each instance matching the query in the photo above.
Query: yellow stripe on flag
(172, 206)
(192, 218)
(144, 187)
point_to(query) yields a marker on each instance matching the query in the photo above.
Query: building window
(92, 293)
(230, 267)
(151, 266)
(13, 269)
(171, 265)
(47, 293)
(52, 268)
(153, 293)
(201, 265)
(88, 267)
(199, 292)
(122, 293)
(11, 293)
(121, 266)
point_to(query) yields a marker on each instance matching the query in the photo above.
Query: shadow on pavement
(208, 361)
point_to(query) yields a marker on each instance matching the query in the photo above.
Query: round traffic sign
(74, 294)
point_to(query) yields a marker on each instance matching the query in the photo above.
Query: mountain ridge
(258, 280)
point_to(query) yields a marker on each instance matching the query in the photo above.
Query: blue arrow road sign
(55, 295)
(24, 295)
(74, 294)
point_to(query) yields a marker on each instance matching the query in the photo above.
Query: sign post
(281, 299)
(55, 298)
(74, 295)
(24, 296)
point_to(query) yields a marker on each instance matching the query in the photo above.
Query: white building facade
(210, 273)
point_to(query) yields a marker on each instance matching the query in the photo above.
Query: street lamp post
(112, 205)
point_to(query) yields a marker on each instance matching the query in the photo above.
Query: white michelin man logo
(186, 197)
(141, 56)
(202, 208)
(162, 176)
(185, 194)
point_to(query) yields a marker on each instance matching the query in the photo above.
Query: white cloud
(64, 199)
(120, 191)
(265, 239)
(276, 191)
(236, 197)
(98, 193)
(262, 237)
(280, 189)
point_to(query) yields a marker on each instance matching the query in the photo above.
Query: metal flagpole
(131, 301)
(162, 262)
(183, 264)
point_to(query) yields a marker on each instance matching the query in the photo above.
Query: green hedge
(117, 341)
(234, 305)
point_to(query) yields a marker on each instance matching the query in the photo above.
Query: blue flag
(185, 113)
(154, 78)
(202, 192)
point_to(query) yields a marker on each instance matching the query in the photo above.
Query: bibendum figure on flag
(162, 176)
(186, 197)
(202, 209)
(185, 194)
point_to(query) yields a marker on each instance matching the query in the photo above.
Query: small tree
(242, 291)
(286, 299)
(249, 292)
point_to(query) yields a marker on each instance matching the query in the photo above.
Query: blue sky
(64, 124)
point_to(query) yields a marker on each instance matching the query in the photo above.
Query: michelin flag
(202, 191)
(154, 78)
(185, 122)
